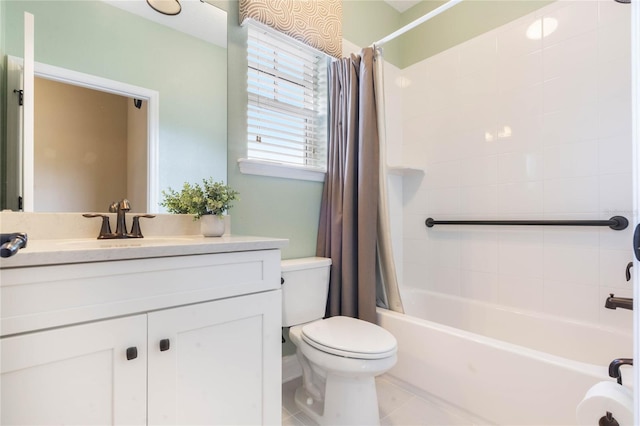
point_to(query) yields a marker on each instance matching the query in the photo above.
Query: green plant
(210, 198)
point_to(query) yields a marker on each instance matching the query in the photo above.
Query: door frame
(75, 78)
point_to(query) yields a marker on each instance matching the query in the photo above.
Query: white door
(216, 363)
(14, 134)
(76, 375)
(28, 114)
(20, 118)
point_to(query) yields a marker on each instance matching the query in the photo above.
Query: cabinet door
(222, 365)
(76, 375)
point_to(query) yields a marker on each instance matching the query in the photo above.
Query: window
(287, 109)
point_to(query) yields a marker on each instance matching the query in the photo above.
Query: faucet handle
(136, 232)
(105, 228)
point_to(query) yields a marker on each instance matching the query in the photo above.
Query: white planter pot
(212, 225)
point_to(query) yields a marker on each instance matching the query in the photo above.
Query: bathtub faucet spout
(613, 302)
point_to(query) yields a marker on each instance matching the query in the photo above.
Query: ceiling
(402, 5)
(197, 18)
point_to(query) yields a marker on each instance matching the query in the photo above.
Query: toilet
(340, 356)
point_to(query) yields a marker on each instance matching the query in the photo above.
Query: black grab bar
(617, 223)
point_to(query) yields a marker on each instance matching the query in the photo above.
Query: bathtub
(505, 366)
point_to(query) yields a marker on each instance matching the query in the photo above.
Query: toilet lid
(350, 337)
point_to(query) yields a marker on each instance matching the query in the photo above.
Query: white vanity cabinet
(202, 333)
(213, 369)
(75, 375)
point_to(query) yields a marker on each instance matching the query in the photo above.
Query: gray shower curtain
(349, 211)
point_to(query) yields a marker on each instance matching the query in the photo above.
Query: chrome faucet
(613, 302)
(121, 208)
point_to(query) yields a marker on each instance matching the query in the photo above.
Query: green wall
(275, 207)
(462, 22)
(366, 21)
(290, 208)
(268, 206)
(189, 74)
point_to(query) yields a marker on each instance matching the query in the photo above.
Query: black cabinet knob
(164, 345)
(132, 353)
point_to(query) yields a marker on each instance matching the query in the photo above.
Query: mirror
(184, 63)
(103, 135)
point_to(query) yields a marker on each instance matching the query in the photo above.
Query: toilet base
(313, 410)
(348, 401)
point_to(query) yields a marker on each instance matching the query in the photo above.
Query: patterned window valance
(317, 23)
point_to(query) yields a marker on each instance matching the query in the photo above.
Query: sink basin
(123, 243)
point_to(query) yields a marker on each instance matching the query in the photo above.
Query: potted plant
(207, 203)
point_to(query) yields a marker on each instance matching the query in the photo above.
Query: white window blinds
(287, 111)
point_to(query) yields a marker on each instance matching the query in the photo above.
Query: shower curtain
(349, 211)
(348, 231)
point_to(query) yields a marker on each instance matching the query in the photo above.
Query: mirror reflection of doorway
(93, 144)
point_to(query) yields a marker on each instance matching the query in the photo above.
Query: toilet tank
(304, 290)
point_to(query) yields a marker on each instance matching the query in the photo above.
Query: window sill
(265, 168)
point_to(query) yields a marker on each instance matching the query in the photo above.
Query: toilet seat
(350, 338)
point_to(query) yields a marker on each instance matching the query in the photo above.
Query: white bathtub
(504, 366)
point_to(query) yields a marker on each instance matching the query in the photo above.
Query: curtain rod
(435, 12)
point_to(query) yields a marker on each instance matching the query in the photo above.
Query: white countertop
(80, 250)
(64, 238)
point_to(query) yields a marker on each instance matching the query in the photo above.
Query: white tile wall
(509, 127)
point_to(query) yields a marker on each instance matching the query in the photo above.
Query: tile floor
(398, 405)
